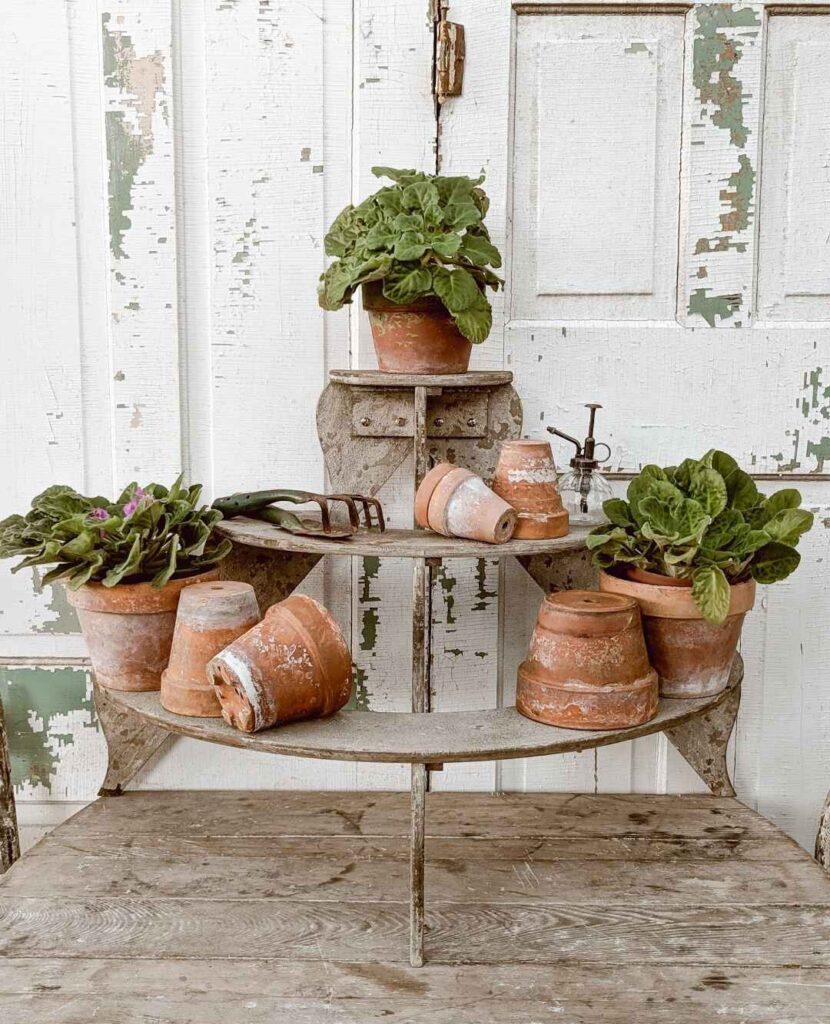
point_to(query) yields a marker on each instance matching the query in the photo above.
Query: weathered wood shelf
(437, 738)
(394, 543)
(379, 379)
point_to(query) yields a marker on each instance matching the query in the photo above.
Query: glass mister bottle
(583, 488)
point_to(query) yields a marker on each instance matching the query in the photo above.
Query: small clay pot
(456, 503)
(526, 479)
(295, 664)
(420, 337)
(587, 666)
(693, 657)
(128, 629)
(210, 616)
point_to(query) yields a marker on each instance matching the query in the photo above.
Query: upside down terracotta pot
(420, 337)
(455, 502)
(526, 478)
(587, 666)
(128, 629)
(295, 664)
(210, 616)
(693, 657)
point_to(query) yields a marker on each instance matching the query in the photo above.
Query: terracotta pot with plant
(689, 545)
(125, 563)
(422, 253)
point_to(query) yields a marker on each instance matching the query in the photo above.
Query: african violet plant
(422, 236)
(148, 533)
(703, 521)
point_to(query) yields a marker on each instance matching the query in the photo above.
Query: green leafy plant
(148, 533)
(703, 521)
(422, 236)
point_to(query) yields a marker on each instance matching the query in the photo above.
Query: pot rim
(671, 602)
(135, 598)
(631, 572)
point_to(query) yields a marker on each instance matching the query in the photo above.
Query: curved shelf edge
(432, 738)
(393, 543)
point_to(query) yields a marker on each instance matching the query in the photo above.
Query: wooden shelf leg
(9, 837)
(416, 865)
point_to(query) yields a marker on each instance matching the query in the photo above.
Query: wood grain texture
(352, 993)
(394, 543)
(126, 911)
(436, 738)
(9, 836)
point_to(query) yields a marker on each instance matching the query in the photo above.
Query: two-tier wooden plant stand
(368, 424)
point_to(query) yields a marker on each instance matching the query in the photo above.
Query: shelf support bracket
(703, 741)
(9, 837)
(131, 742)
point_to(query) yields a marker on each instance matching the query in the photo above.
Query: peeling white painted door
(660, 184)
(660, 187)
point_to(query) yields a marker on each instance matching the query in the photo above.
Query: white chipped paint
(544, 474)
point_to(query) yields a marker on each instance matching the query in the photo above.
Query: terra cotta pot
(210, 616)
(587, 666)
(420, 337)
(693, 657)
(455, 502)
(295, 664)
(128, 629)
(526, 478)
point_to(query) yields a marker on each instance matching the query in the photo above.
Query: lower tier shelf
(433, 738)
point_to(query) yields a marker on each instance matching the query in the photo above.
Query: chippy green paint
(717, 51)
(447, 584)
(711, 307)
(369, 614)
(738, 197)
(360, 695)
(140, 80)
(820, 451)
(33, 700)
(483, 595)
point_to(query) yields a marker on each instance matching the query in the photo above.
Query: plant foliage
(706, 521)
(422, 236)
(148, 533)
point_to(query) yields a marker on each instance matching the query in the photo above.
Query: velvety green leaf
(446, 246)
(480, 251)
(405, 286)
(618, 512)
(708, 489)
(410, 246)
(786, 498)
(721, 462)
(788, 525)
(402, 176)
(711, 594)
(457, 289)
(421, 195)
(475, 323)
(742, 490)
(462, 215)
(774, 562)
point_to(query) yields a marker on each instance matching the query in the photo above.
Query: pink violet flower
(136, 502)
(99, 513)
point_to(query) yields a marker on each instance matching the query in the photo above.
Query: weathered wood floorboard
(190, 908)
(348, 868)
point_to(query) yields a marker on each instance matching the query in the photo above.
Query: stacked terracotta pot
(587, 666)
(526, 479)
(455, 502)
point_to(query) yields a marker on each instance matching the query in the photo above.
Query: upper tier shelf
(378, 379)
(393, 543)
(435, 738)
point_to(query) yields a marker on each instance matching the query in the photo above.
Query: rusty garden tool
(262, 505)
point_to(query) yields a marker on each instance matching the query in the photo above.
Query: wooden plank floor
(190, 908)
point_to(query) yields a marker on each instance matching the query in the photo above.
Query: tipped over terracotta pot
(526, 478)
(294, 665)
(693, 657)
(128, 629)
(420, 337)
(455, 502)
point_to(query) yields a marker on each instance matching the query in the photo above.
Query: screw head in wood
(365, 421)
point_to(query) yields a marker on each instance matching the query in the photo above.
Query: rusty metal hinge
(449, 59)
